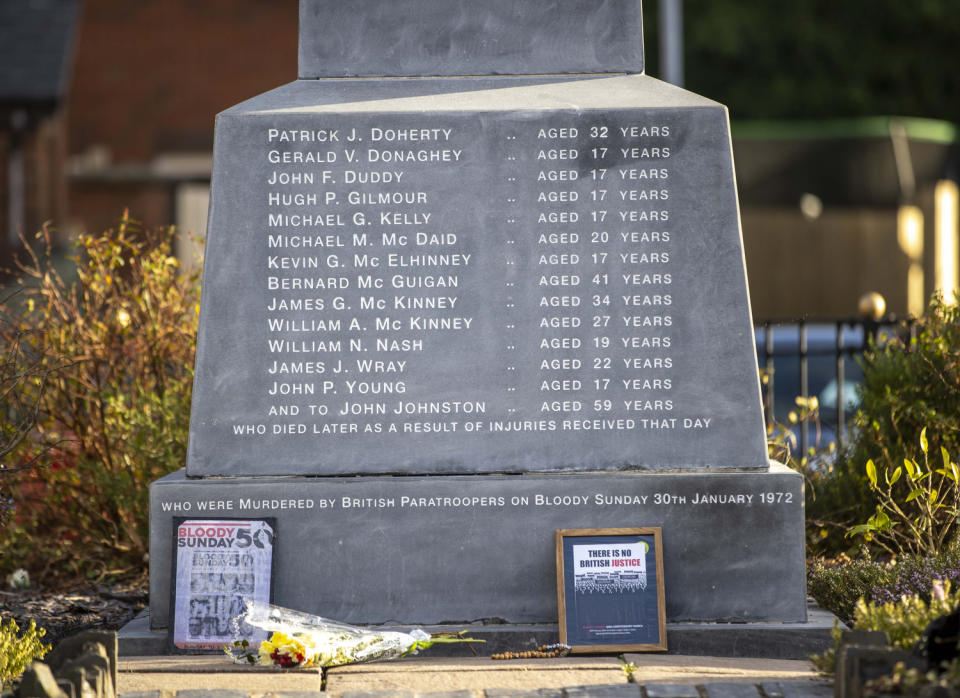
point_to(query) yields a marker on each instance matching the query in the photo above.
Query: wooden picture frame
(610, 594)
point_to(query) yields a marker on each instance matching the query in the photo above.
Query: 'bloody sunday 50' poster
(218, 564)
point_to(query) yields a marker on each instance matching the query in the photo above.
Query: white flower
(938, 591)
(18, 579)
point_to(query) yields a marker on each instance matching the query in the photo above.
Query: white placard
(607, 569)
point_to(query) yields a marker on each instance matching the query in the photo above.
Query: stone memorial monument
(472, 278)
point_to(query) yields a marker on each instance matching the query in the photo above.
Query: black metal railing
(786, 350)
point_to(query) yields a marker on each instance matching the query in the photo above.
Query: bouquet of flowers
(302, 640)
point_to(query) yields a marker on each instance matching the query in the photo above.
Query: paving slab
(731, 690)
(475, 673)
(519, 692)
(682, 669)
(477, 677)
(614, 690)
(671, 690)
(793, 689)
(209, 673)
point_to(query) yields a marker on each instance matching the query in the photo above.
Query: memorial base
(466, 549)
(767, 640)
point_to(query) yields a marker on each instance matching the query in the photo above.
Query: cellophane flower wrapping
(303, 640)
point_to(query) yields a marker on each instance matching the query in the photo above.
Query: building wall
(820, 268)
(149, 78)
(150, 75)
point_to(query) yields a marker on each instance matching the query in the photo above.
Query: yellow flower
(282, 650)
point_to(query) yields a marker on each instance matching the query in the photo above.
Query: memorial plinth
(457, 549)
(443, 317)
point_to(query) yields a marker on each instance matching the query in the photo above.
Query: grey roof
(36, 48)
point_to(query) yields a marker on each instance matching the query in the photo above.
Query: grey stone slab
(71, 647)
(805, 689)
(615, 690)
(418, 95)
(377, 694)
(37, 680)
(768, 640)
(476, 325)
(466, 37)
(856, 665)
(66, 687)
(772, 689)
(517, 692)
(773, 641)
(864, 638)
(212, 693)
(670, 690)
(731, 690)
(136, 639)
(146, 694)
(463, 548)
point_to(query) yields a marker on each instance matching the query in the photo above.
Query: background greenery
(105, 376)
(819, 58)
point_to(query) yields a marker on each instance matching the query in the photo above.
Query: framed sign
(217, 563)
(610, 589)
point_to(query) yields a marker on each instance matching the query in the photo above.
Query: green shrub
(917, 504)
(17, 651)
(910, 682)
(837, 585)
(903, 620)
(115, 408)
(816, 466)
(909, 384)
(23, 373)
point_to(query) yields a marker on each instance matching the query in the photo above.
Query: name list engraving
(448, 277)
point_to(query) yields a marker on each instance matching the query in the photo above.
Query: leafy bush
(910, 682)
(903, 620)
(23, 375)
(910, 383)
(116, 401)
(837, 585)
(815, 465)
(17, 651)
(918, 504)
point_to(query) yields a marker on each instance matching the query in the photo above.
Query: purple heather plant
(919, 578)
(838, 584)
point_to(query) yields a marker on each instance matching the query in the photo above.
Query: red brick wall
(150, 75)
